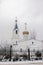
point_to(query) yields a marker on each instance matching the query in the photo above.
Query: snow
(23, 63)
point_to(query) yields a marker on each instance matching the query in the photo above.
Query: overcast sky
(30, 11)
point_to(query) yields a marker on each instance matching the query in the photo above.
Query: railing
(20, 55)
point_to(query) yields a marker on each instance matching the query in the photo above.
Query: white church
(21, 46)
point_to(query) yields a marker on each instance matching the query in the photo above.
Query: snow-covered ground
(23, 63)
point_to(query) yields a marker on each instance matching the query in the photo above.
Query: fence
(21, 55)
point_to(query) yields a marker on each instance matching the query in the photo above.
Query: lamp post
(28, 54)
(10, 52)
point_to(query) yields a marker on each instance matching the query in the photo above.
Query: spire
(16, 26)
(15, 31)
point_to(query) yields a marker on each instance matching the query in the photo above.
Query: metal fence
(22, 55)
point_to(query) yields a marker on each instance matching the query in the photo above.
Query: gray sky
(30, 11)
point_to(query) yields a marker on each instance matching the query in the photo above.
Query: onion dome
(25, 32)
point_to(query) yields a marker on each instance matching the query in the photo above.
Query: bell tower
(15, 29)
(16, 26)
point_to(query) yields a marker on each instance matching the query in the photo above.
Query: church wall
(32, 44)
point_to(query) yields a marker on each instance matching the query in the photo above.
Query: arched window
(32, 42)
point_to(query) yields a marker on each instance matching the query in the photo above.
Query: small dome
(25, 33)
(16, 20)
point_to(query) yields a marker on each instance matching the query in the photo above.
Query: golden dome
(25, 33)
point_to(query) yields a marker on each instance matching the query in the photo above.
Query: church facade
(21, 46)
